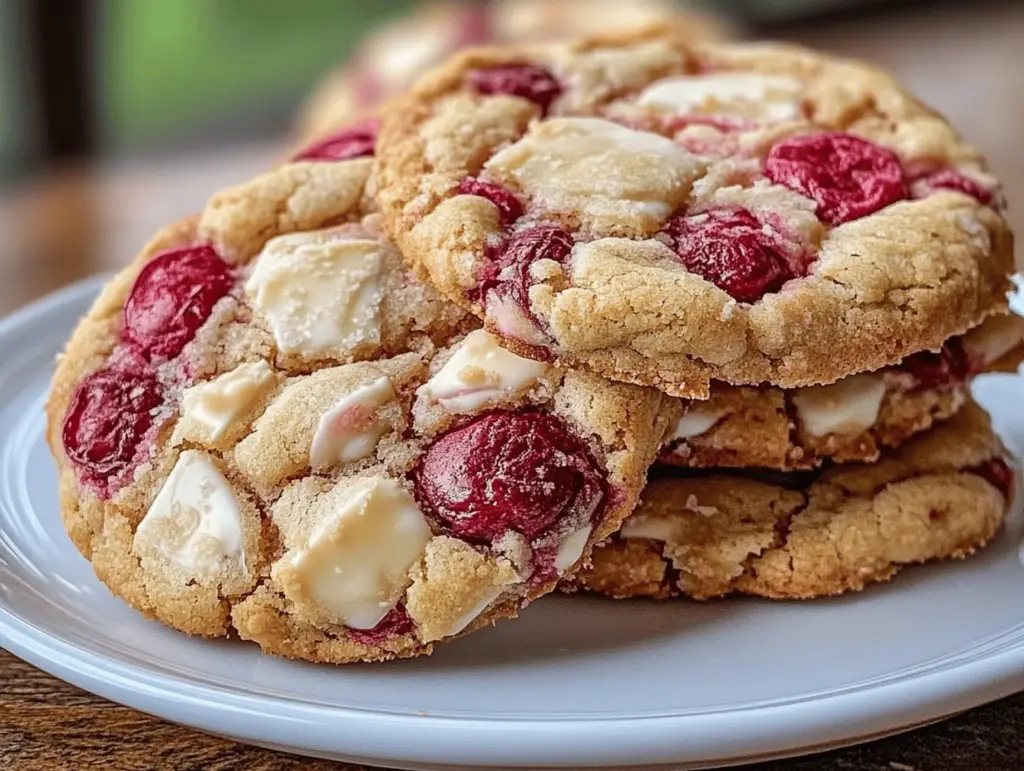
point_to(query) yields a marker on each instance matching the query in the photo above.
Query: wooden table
(968, 61)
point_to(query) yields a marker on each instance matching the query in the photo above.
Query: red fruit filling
(947, 179)
(847, 176)
(524, 80)
(109, 414)
(509, 208)
(396, 622)
(949, 367)
(731, 250)
(507, 271)
(521, 471)
(999, 473)
(352, 142)
(172, 297)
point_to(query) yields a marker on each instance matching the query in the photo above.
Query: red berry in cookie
(509, 207)
(524, 80)
(731, 250)
(948, 179)
(109, 414)
(999, 473)
(521, 471)
(507, 272)
(947, 368)
(847, 176)
(395, 623)
(353, 142)
(172, 297)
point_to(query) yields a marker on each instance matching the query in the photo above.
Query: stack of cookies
(417, 377)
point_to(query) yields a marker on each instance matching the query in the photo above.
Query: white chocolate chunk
(489, 596)
(572, 548)
(600, 170)
(512, 322)
(319, 292)
(695, 421)
(216, 404)
(995, 338)
(850, 405)
(480, 371)
(726, 94)
(653, 528)
(195, 522)
(354, 567)
(351, 429)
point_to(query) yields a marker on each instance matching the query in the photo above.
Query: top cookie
(266, 424)
(665, 212)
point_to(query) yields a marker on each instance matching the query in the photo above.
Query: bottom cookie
(943, 494)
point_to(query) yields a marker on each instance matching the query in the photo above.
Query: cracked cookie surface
(853, 419)
(667, 212)
(267, 425)
(944, 494)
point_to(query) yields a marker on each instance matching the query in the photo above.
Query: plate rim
(368, 734)
(360, 735)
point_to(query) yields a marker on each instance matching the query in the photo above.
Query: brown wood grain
(48, 725)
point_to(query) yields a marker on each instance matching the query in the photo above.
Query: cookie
(944, 494)
(400, 50)
(850, 420)
(666, 212)
(266, 425)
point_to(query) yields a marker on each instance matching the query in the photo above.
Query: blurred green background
(167, 74)
(173, 64)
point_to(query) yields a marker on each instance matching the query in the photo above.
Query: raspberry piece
(172, 297)
(525, 80)
(109, 414)
(999, 473)
(731, 250)
(849, 177)
(948, 368)
(509, 208)
(948, 179)
(521, 471)
(507, 272)
(396, 622)
(352, 142)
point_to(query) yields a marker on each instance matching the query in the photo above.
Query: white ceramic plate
(575, 682)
